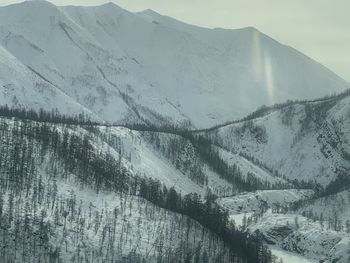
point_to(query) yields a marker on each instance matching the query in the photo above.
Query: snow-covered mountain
(104, 169)
(77, 192)
(118, 66)
(143, 190)
(302, 235)
(304, 141)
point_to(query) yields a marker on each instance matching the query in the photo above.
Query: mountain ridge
(119, 74)
(118, 145)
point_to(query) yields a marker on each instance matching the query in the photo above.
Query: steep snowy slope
(76, 191)
(176, 161)
(261, 69)
(249, 168)
(22, 87)
(125, 66)
(303, 141)
(49, 214)
(42, 37)
(145, 159)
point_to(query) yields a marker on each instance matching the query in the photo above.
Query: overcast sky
(318, 28)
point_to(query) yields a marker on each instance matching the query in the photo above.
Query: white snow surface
(145, 160)
(247, 166)
(252, 201)
(288, 257)
(117, 66)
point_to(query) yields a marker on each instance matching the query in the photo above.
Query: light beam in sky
(262, 68)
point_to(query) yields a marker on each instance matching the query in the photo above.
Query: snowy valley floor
(290, 236)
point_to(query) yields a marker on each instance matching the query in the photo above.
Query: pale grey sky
(318, 28)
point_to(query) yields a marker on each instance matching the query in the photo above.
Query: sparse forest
(43, 160)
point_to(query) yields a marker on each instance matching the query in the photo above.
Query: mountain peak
(251, 28)
(111, 7)
(111, 61)
(28, 3)
(150, 12)
(110, 4)
(43, 2)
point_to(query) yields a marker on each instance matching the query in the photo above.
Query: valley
(259, 200)
(132, 137)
